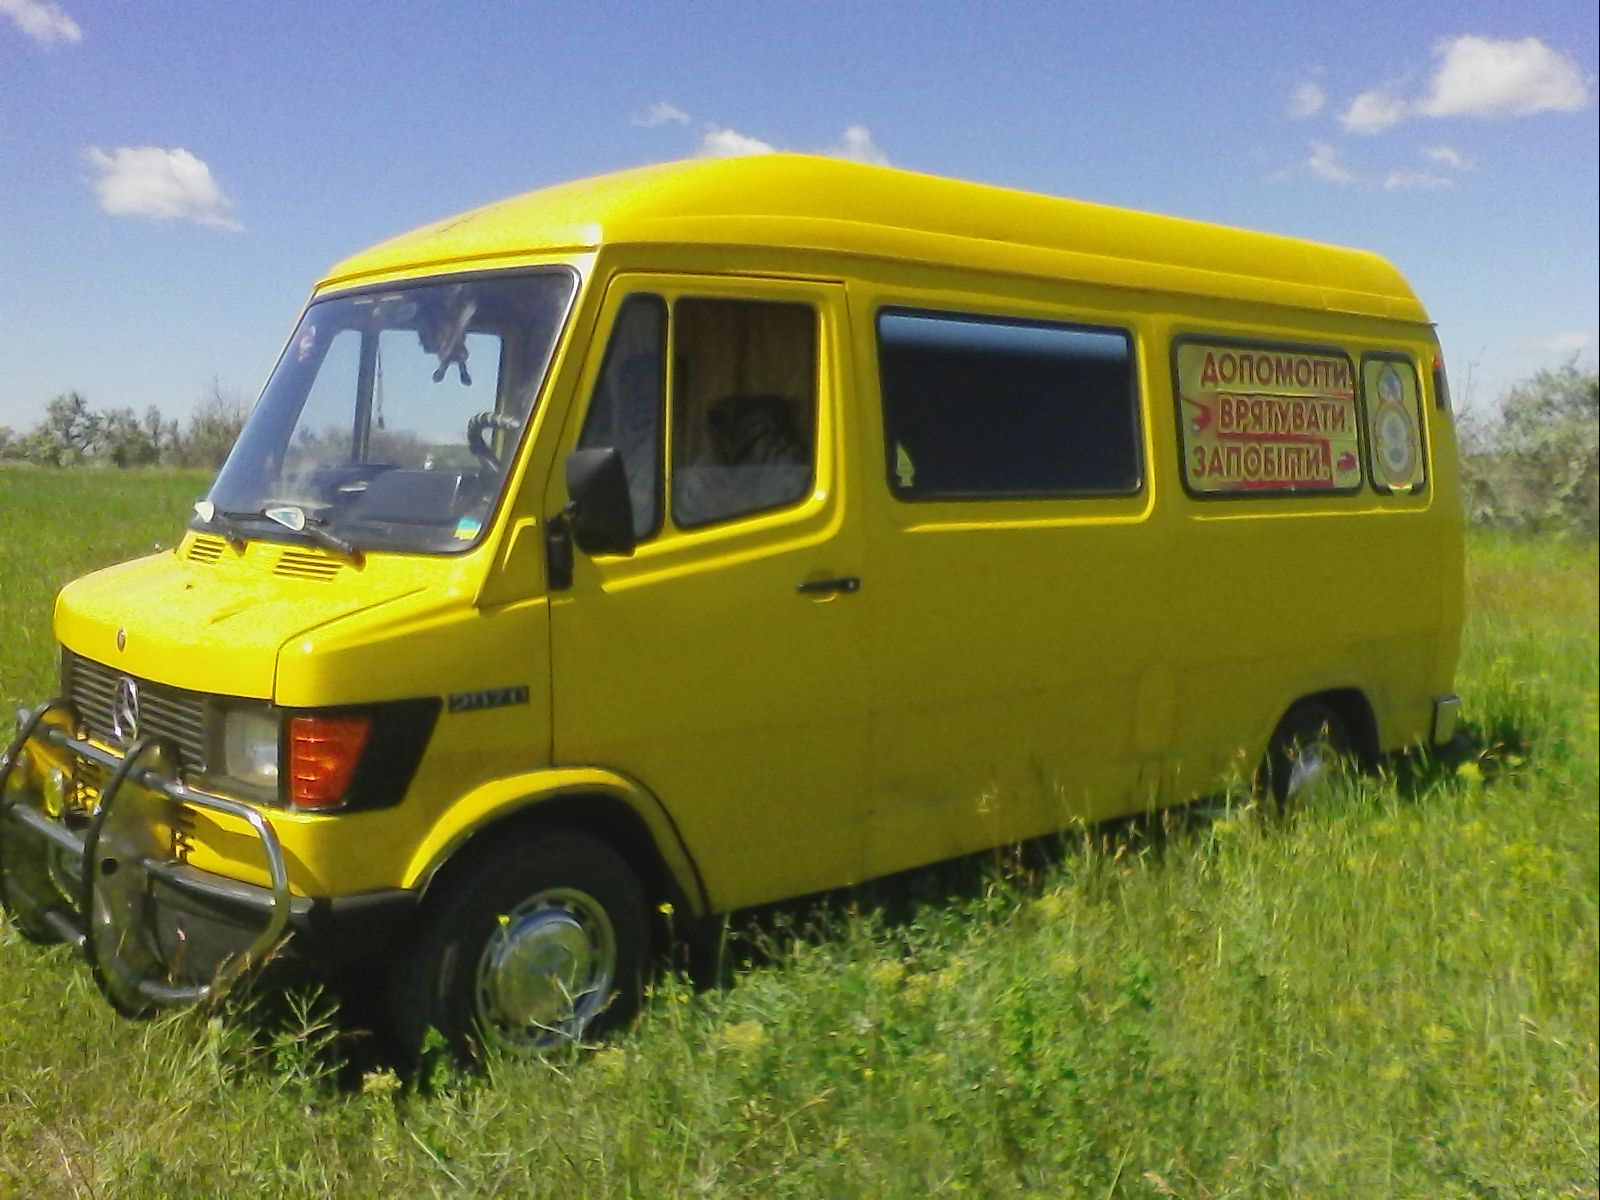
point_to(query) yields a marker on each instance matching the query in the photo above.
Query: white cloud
(730, 143)
(1416, 179)
(1373, 112)
(660, 113)
(1484, 77)
(1325, 165)
(41, 20)
(1306, 100)
(147, 181)
(856, 143)
(1449, 157)
(1556, 343)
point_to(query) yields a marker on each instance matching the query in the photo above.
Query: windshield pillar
(361, 433)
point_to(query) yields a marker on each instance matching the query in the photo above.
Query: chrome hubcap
(548, 970)
(1309, 768)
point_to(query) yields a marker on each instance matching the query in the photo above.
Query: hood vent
(205, 549)
(299, 564)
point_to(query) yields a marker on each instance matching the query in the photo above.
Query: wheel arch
(1350, 705)
(607, 807)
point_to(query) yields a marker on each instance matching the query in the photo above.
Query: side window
(1394, 422)
(977, 407)
(744, 396)
(629, 399)
(1265, 419)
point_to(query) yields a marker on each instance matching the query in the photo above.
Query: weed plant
(1389, 993)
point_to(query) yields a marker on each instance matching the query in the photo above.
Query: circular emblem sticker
(1393, 432)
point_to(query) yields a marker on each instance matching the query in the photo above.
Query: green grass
(56, 525)
(1390, 995)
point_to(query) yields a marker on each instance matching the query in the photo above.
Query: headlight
(250, 748)
(54, 792)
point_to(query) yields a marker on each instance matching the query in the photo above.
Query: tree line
(74, 434)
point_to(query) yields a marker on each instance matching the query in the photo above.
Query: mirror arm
(558, 548)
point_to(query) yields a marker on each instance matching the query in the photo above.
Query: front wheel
(543, 943)
(1308, 751)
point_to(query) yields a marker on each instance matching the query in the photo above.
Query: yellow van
(717, 532)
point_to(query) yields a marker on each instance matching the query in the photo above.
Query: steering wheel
(477, 425)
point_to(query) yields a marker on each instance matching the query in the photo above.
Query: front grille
(167, 712)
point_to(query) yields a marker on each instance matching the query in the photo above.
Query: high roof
(802, 202)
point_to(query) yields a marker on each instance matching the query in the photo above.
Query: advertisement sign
(1267, 419)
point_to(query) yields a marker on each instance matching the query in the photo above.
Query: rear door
(721, 665)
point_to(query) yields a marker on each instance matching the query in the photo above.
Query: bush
(1533, 466)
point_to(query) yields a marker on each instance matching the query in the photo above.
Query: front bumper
(110, 876)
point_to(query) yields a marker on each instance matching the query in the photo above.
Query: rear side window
(1394, 423)
(1266, 419)
(979, 407)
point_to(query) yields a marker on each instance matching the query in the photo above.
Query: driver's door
(721, 664)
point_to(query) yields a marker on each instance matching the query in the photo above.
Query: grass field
(1390, 995)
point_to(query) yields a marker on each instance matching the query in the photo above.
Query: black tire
(1310, 748)
(539, 944)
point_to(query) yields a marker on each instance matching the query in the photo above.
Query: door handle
(845, 584)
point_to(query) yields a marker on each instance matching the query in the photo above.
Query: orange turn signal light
(323, 753)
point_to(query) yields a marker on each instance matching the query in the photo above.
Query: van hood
(212, 619)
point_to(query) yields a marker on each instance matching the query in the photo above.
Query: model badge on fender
(464, 702)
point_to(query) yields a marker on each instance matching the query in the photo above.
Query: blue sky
(173, 177)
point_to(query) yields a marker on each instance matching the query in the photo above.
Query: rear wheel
(1310, 750)
(542, 943)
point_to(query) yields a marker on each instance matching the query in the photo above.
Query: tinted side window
(744, 396)
(981, 407)
(628, 402)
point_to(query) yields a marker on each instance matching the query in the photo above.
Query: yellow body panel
(1007, 667)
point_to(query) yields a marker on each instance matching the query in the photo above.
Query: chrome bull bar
(84, 848)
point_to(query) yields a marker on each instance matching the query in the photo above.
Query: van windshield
(392, 416)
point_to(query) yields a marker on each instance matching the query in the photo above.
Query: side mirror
(600, 510)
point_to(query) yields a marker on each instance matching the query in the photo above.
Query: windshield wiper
(218, 520)
(292, 516)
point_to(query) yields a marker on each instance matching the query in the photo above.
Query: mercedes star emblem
(125, 711)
